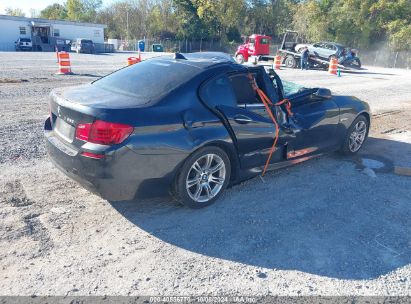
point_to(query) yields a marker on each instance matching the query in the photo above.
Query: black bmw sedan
(190, 125)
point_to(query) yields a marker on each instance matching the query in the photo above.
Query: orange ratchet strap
(267, 103)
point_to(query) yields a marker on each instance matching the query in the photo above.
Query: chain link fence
(386, 58)
(383, 57)
(183, 46)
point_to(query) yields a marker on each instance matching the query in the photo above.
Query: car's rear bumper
(121, 175)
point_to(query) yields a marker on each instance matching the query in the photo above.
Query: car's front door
(314, 123)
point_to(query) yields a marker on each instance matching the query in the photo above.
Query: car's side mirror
(323, 93)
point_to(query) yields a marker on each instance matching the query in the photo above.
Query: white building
(45, 33)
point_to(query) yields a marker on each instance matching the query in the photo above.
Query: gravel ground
(330, 226)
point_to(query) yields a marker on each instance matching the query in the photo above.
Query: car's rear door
(317, 49)
(330, 49)
(247, 118)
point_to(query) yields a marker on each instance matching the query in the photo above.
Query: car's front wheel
(356, 135)
(203, 177)
(356, 64)
(240, 59)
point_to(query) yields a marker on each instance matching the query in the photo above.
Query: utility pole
(127, 24)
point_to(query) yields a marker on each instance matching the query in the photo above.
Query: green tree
(392, 21)
(82, 10)
(54, 11)
(14, 11)
(310, 21)
(190, 24)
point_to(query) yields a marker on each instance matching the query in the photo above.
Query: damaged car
(191, 125)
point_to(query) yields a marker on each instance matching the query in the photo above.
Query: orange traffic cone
(132, 60)
(332, 69)
(277, 62)
(64, 64)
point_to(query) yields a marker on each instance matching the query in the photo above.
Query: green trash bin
(158, 48)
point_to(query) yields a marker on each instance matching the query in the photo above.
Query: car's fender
(350, 108)
(243, 50)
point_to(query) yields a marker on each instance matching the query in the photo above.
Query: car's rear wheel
(356, 135)
(290, 62)
(203, 177)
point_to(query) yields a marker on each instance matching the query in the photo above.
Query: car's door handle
(193, 124)
(241, 119)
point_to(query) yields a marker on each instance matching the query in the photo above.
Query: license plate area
(64, 130)
(62, 147)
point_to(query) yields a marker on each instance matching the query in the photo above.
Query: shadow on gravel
(365, 72)
(322, 217)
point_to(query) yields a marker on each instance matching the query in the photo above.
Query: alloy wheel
(240, 59)
(357, 136)
(206, 178)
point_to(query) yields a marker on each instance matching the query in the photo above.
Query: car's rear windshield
(150, 79)
(86, 41)
(25, 40)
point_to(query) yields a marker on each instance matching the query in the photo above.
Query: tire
(356, 136)
(356, 64)
(203, 190)
(240, 59)
(290, 62)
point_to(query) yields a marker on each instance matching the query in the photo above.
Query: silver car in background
(322, 49)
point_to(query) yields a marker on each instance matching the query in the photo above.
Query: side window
(264, 41)
(330, 47)
(243, 90)
(218, 91)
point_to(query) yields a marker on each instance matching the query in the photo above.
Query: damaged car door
(314, 122)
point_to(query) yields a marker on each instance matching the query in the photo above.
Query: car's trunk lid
(95, 97)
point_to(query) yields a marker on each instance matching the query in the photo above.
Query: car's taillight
(102, 132)
(83, 131)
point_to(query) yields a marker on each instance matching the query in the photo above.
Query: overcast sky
(38, 5)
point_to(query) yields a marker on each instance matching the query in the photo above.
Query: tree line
(358, 23)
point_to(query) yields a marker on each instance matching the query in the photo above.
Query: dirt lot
(325, 227)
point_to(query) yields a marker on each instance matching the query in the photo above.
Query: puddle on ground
(372, 163)
(377, 163)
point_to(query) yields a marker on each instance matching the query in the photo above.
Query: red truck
(255, 45)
